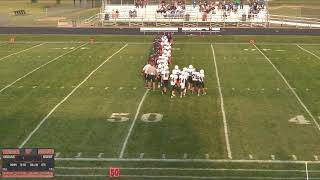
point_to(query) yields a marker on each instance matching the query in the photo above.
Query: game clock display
(27, 163)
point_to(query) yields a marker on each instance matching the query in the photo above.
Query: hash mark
(78, 155)
(48, 87)
(316, 158)
(294, 157)
(57, 154)
(278, 89)
(134, 88)
(185, 156)
(250, 156)
(100, 155)
(34, 87)
(273, 157)
(207, 156)
(307, 89)
(120, 88)
(62, 87)
(163, 156)
(20, 87)
(91, 88)
(141, 155)
(73, 86)
(106, 88)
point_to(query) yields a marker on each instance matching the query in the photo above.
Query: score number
(114, 172)
(122, 117)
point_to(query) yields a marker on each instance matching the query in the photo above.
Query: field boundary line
(178, 177)
(135, 42)
(1, 59)
(187, 169)
(132, 124)
(225, 123)
(9, 85)
(290, 87)
(307, 173)
(305, 50)
(65, 98)
(189, 160)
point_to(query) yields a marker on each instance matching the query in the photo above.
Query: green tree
(34, 1)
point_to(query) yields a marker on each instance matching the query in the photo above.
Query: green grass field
(43, 13)
(88, 101)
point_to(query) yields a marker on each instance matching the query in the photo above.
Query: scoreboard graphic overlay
(27, 163)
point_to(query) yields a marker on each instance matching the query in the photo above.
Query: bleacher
(149, 14)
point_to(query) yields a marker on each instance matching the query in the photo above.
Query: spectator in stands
(113, 14)
(194, 3)
(117, 14)
(133, 13)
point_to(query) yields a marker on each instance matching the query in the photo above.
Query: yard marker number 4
(300, 119)
(148, 117)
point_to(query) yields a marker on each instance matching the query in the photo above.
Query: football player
(165, 74)
(190, 70)
(194, 81)
(183, 77)
(176, 70)
(174, 84)
(201, 80)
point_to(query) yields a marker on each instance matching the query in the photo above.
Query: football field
(260, 118)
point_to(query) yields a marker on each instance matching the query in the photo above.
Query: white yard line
(1, 59)
(132, 42)
(308, 51)
(132, 124)
(290, 87)
(188, 160)
(179, 177)
(186, 169)
(307, 173)
(225, 124)
(80, 175)
(65, 98)
(22, 77)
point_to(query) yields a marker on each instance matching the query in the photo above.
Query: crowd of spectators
(141, 3)
(115, 13)
(175, 8)
(228, 6)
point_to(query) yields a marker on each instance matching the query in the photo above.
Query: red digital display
(114, 172)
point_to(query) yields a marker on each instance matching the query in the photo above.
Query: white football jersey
(201, 77)
(176, 71)
(183, 80)
(165, 74)
(173, 79)
(190, 71)
(195, 76)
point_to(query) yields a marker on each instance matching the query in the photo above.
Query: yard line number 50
(123, 117)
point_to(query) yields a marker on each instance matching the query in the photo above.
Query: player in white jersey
(183, 77)
(201, 80)
(195, 81)
(176, 70)
(190, 70)
(165, 75)
(174, 82)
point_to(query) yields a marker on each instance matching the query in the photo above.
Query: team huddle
(157, 73)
